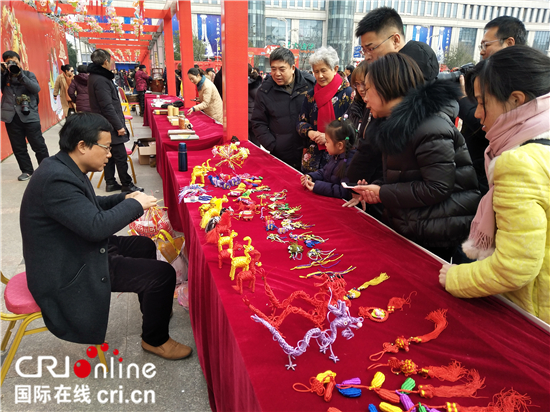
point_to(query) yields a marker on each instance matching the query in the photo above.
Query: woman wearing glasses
(429, 189)
(327, 101)
(61, 88)
(510, 233)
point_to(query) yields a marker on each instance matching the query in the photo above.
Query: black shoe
(132, 188)
(24, 176)
(113, 188)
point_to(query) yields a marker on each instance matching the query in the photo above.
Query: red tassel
(505, 401)
(328, 390)
(450, 373)
(467, 390)
(439, 317)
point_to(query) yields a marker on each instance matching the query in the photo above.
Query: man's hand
(145, 200)
(121, 132)
(369, 193)
(355, 200)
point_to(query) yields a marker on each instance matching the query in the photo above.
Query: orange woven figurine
(381, 315)
(439, 317)
(227, 254)
(249, 275)
(200, 172)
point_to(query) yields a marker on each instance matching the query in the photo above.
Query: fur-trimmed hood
(102, 71)
(439, 97)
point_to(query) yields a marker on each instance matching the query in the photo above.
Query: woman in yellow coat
(510, 235)
(61, 87)
(209, 98)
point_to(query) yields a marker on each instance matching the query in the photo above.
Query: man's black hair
(82, 126)
(350, 67)
(379, 20)
(100, 56)
(9, 54)
(509, 27)
(82, 68)
(209, 69)
(281, 53)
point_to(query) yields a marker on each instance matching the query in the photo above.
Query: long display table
(245, 368)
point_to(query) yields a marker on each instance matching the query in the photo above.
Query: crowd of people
(478, 197)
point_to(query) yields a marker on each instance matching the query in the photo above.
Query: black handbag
(71, 111)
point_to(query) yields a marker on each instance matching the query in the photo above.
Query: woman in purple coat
(78, 90)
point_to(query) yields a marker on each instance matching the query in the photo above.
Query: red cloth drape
(244, 367)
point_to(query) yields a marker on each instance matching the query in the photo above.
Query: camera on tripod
(24, 102)
(455, 74)
(13, 67)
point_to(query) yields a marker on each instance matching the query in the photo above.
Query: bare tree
(457, 56)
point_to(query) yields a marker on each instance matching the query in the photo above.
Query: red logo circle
(82, 368)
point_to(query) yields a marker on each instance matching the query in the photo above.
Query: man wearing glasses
(74, 261)
(502, 32)
(381, 32)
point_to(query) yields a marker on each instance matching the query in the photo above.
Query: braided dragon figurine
(324, 338)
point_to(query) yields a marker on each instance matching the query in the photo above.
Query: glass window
(466, 39)
(464, 9)
(315, 4)
(310, 38)
(441, 10)
(422, 9)
(542, 41)
(402, 7)
(284, 4)
(545, 16)
(292, 3)
(276, 3)
(409, 7)
(300, 4)
(308, 4)
(374, 4)
(367, 6)
(322, 4)
(415, 8)
(436, 8)
(455, 10)
(274, 32)
(428, 8)
(448, 10)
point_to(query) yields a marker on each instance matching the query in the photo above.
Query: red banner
(43, 49)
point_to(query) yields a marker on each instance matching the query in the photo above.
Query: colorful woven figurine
(324, 338)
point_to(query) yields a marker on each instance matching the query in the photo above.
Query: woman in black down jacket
(429, 190)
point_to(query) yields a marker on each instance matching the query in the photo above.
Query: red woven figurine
(407, 367)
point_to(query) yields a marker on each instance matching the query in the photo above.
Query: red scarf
(323, 97)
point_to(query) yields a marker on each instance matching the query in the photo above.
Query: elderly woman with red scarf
(327, 101)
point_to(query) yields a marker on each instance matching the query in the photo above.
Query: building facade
(309, 24)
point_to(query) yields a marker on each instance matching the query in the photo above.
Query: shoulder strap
(539, 141)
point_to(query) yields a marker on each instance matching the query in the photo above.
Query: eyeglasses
(358, 85)
(483, 45)
(369, 50)
(107, 148)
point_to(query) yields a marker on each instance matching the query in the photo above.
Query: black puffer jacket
(430, 190)
(104, 99)
(275, 115)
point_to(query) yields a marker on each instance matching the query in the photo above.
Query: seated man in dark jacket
(277, 107)
(73, 261)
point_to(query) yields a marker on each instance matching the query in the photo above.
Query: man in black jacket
(104, 100)
(20, 113)
(277, 107)
(73, 260)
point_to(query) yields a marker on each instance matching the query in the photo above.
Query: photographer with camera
(502, 32)
(20, 113)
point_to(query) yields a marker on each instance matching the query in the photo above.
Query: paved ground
(176, 385)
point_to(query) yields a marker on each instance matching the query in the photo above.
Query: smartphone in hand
(349, 185)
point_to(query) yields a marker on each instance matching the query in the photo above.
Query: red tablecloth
(244, 367)
(210, 134)
(148, 99)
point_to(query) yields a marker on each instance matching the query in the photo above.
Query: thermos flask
(182, 157)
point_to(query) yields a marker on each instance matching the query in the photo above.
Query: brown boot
(171, 350)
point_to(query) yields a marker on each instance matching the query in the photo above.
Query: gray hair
(100, 56)
(326, 55)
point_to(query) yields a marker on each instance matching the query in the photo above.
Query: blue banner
(422, 33)
(443, 42)
(210, 33)
(357, 52)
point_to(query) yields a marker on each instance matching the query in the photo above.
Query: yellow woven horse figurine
(242, 262)
(215, 209)
(201, 171)
(227, 240)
